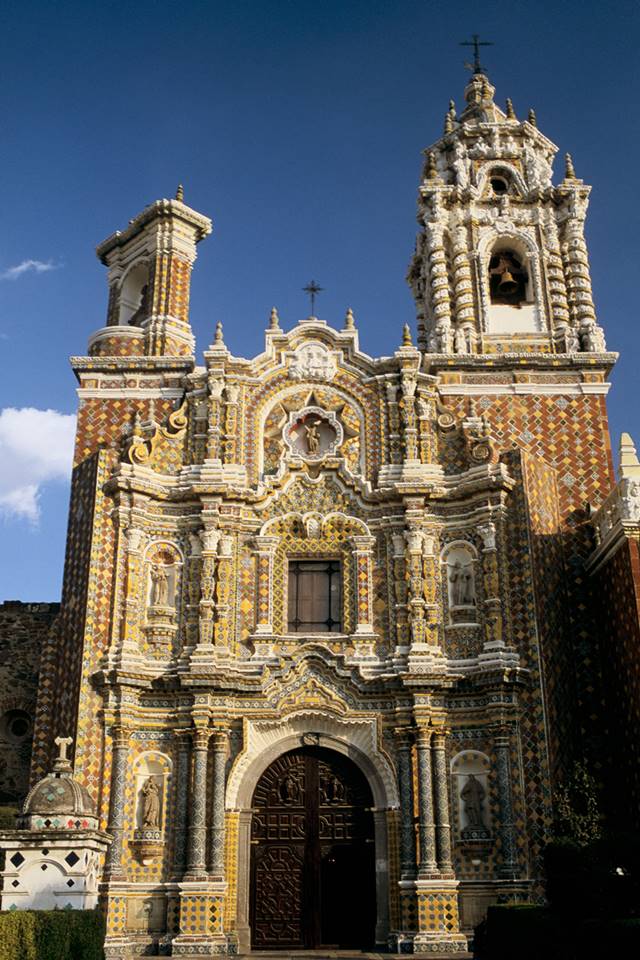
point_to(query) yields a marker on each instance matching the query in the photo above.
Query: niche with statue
(459, 567)
(470, 792)
(151, 782)
(162, 568)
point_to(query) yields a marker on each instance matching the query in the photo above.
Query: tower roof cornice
(159, 210)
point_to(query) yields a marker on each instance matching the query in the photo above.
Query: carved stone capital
(266, 544)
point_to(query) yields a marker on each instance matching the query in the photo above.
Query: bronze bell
(507, 283)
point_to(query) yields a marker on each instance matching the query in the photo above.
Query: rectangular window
(315, 596)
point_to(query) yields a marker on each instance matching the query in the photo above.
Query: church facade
(330, 623)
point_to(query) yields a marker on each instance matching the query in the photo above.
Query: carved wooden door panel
(312, 863)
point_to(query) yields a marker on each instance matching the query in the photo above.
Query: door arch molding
(264, 742)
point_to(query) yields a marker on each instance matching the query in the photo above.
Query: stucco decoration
(264, 740)
(312, 361)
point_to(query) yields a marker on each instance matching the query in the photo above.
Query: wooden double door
(312, 854)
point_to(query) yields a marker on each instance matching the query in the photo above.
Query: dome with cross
(58, 802)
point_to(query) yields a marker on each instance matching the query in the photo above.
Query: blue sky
(298, 127)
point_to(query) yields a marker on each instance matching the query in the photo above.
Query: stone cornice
(159, 210)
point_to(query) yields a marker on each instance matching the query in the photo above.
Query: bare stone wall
(23, 629)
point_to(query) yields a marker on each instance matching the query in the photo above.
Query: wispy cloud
(36, 447)
(28, 266)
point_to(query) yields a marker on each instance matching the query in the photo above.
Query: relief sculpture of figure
(472, 795)
(462, 586)
(313, 438)
(160, 589)
(150, 804)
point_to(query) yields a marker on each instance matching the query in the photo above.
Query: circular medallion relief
(313, 433)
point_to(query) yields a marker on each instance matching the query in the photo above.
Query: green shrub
(528, 932)
(525, 931)
(51, 935)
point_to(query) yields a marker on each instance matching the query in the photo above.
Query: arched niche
(470, 773)
(134, 296)
(510, 284)
(500, 179)
(151, 776)
(163, 563)
(459, 562)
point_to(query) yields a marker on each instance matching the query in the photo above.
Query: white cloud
(36, 446)
(28, 266)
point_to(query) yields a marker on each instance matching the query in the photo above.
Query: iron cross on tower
(476, 43)
(312, 289)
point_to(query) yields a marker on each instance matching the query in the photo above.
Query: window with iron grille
(315, 596)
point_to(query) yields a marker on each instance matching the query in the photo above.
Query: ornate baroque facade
(221, 711)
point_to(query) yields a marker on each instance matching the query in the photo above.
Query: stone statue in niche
(461, 583)
(472, 796)
(160, 585)
(313, 438)
(150, 805)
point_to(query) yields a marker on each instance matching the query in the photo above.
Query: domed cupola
(58, 801)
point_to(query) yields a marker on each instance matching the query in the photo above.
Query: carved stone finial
(511, 114)
(452, 109)
(136, 427)
(486, 89)
(218, 337)
(274, 320)
(569, 171)
(180, 193)
(62, 763)
(349, 323)
(432, 169)
(406, 336)
(629, 463)
(532, 118)
(448, 123)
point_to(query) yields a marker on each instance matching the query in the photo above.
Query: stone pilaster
(216, 863)
(231, 408)
(408, 410)
(197, 838)
(210, 538)
(135, 591)
(405, 785)
(119, 762)
(362, 560)
(214, 429)
(182, 803)
(265, 550)
(439, 290)
(428, 865)
(221, 628)
(509, 867)
(414, 539)
(441, 797)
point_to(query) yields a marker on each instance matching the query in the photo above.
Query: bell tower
(149, 279)
(501, 263)
(507, 326)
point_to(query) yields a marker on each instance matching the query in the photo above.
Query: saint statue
(462, 585)
(160, 588)
(150, 805)
(472, 795)
(313, 438)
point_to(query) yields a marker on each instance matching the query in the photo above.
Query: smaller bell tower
(501, 262)
(149, 282)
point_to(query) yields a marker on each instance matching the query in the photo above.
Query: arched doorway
(312, 853)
